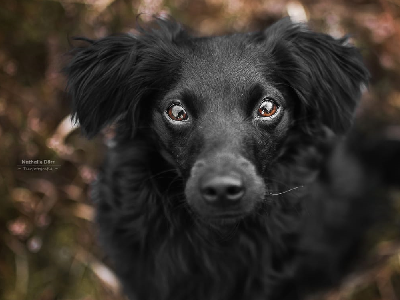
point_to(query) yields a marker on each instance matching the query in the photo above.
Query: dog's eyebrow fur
(253, 96)
(192, 101)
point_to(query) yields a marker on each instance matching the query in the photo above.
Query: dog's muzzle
(224, 186)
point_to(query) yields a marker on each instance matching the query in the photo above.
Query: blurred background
(48, 244)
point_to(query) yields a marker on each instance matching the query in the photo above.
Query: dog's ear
(327, 74)
(97, 75)
(108, 77)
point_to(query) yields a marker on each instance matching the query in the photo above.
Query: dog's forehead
(220, 66)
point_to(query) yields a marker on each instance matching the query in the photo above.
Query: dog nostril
(220, 189)
(234, 192)
(210, 194)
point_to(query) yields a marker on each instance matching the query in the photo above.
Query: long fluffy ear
(109, 76)
(97, 77)
(327, 74)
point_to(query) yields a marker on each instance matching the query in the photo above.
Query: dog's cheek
(177, 156)
(260, 150)
(182, 158)
(171, 143)
(265, 158)
(188, 152)
(268, 144)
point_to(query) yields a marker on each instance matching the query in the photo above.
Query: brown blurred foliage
(47, 243)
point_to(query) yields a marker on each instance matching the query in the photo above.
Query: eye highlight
(268, 109)
(176, 112)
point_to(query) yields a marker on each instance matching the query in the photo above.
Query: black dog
(227, 178)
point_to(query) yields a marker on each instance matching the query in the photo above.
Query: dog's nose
(222, 190)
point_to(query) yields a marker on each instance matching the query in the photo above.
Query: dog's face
(220, 125)
(220, 108)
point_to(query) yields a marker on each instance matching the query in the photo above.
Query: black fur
(165, 241)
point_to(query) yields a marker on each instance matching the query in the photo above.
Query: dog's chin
(223, 220)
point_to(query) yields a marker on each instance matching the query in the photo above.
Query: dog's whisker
(173, 180)
(287, 191)
(180, 202)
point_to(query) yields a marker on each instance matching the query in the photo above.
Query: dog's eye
(176, 112)
(268, 109)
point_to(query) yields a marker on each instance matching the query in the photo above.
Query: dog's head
(219, 109)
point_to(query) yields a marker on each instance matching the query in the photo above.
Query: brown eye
(268, 109)
(176, 112)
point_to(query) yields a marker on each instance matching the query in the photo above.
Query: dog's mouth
(225, 219)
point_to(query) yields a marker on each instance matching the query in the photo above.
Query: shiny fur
(299, 224)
